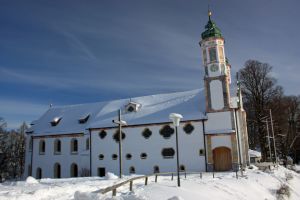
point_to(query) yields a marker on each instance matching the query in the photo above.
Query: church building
(83, 140)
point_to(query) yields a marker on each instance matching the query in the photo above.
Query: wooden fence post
(236, 174)
(146, 180)
(114, 192)
(172, 177)
(155, 178)
(130, 185)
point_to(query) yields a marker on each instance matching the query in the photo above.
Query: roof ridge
(122, 99)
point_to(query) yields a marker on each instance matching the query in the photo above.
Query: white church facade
(82, 140)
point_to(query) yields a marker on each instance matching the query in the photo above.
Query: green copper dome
(211, 30)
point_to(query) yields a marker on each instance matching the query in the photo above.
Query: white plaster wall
(221, 141)
(218, 121)
(216, 93)
(65, 159)
(135, 144)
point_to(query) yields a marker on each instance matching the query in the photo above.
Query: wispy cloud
(16, 112)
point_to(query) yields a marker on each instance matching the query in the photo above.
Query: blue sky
(70, 52)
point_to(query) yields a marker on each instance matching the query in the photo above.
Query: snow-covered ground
(254, 185)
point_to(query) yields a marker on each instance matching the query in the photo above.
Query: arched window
(128, 156)
(57, 146)
(87, 144)
(166, 132)
(42, 146)
(74, 145)
(101, 156)
(57, 171)
(38, 173)
(143, 155)
(74, 170)
(131, 170)
(182, 168)
(156, 169)
(114, 156)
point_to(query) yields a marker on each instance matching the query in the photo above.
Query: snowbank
(31, 180)
(111, 176)
(86, 196)
(255, 184)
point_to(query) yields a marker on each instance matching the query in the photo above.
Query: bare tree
(259, 89)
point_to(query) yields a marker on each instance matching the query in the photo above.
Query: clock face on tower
(214, 68)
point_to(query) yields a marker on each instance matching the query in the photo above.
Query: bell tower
(217, 69)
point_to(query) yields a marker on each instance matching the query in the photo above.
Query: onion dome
(211, 29)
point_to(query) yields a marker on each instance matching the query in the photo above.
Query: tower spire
(209, 12)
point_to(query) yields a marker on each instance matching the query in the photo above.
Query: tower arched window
(74, 170)
(74, 145)
(57, 146)
(42, 146)
(212, 54)
(57, 170)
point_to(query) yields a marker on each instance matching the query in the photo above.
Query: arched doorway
(57, 170)
(74, 170)
(222, 159)
(38, 173)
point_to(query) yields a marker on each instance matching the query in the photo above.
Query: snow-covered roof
(253, 153)
(154, 109)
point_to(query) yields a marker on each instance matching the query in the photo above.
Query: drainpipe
(90, 152)
(31, 167)
(204, 141)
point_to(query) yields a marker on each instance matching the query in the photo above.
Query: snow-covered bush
(283, 191)
(288, 176)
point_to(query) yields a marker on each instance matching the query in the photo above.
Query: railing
(114, 188)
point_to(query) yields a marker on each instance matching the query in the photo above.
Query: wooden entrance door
(222, 159)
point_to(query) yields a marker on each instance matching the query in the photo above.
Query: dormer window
(84, 119)
(132, 106)
(55, 121)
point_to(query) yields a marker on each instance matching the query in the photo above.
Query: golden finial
(209, 12)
